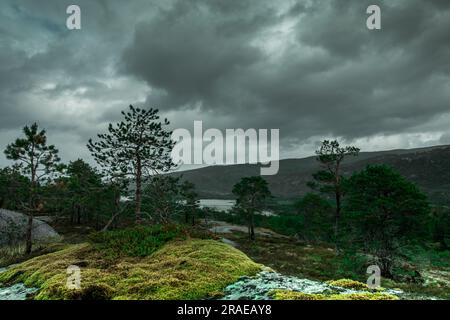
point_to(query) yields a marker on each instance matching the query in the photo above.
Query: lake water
(224, 205)
(217, 204)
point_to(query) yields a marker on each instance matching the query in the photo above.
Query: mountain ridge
(428, 167)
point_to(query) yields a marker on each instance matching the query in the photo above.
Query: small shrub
(139, 241)
(407, 273)
(142, 241)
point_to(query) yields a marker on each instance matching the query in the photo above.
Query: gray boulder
(13, 226)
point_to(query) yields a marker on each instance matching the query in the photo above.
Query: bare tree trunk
(105, 228)
(32, 205)
(138, 194)
(28, 236)
(116, 211)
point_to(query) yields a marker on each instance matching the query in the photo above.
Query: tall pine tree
(251, 193)
(329, 179)
(136, 147)
(39, 162)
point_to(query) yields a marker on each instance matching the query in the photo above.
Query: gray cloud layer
(310, 68)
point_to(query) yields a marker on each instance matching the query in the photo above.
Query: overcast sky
(310, 68)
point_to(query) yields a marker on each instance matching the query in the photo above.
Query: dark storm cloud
(191, 50)
(310, 68)
(336, 77)
(65, 80)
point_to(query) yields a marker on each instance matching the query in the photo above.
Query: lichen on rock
(271, 285)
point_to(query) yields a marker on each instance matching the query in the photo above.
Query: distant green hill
(428, 167)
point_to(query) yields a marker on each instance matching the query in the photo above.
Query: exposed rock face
(260, 286)
(13, 227)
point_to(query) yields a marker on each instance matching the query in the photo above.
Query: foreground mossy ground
(181, 269)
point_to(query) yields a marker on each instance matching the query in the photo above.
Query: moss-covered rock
(188, 269)
(353, 285)
(348, 284)
(293, 295)
(260, 286)
(363, 296)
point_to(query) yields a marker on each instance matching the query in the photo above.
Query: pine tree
(37, 160)
(251, 193)
(330, 180)
(82, 183)
(384, 212)
(136, 147)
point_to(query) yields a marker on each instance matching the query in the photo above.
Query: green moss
(352, 284)
(188, 269)
(363, 296)
(348, 284)
(294, 295)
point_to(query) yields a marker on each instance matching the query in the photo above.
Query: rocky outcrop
(13, 227)
(261, 286)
